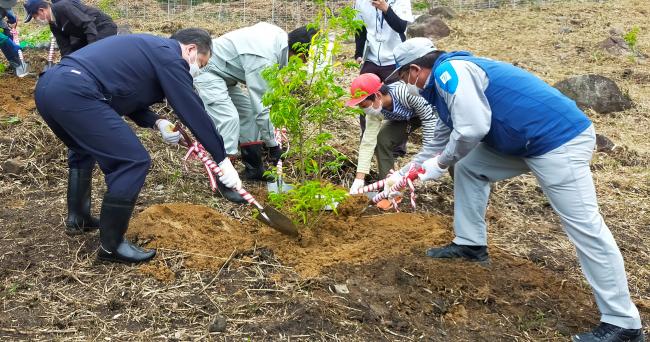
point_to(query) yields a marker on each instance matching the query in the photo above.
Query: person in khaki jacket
(240, 117)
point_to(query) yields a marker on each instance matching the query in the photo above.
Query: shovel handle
(50, 54)
(412, 175)
(215, 168)
(14, 32)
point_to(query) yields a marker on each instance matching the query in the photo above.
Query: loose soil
(209, 237)
(357, 277)
(17, 97)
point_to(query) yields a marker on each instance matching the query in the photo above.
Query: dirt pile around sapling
(17, 96)
(208, 238)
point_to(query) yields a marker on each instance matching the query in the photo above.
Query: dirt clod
(14, 166)
(218, 325)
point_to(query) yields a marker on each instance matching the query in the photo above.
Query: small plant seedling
(631, 38)
(309, 199)
(12, 120)
(3, 67)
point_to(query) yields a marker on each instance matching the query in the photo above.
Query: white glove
(230, 176)
(395, 178)
(356, 185)
(432, 169)
(166, 128)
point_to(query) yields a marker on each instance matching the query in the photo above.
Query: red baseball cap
(362, 87)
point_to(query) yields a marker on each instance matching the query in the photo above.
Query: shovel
(267, 214)
(50, 55)
(22, 70)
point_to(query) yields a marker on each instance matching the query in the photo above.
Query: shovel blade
(277, 221)
(22, 70)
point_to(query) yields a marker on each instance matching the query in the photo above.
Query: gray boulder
(596, 92)
(616, 46)
(428, 26)
(443, 12)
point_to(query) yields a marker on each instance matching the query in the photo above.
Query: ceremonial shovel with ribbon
(267, 214)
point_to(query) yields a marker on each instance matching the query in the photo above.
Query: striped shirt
(405, 106)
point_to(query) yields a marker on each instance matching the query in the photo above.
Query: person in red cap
(389, 111)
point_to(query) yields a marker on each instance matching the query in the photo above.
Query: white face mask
(413, 88)
(195, 70)
(374, 111)
(42, 21)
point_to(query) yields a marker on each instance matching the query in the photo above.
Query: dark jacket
(77, 25)
(137, 70)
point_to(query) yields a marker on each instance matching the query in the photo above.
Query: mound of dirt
(18, 97)
(208, 237)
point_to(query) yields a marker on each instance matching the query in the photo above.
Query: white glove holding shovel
(166, 128)
(432, 169)
(393, 179)
(230, 176)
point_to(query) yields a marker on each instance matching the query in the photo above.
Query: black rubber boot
(472, 253)
(115, 216)
(251, 156)
(606, 332)
(275, 153)
(79, 219)
(230, 194)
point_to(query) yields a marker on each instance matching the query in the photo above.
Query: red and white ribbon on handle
(281, 136)
(407, 180)
(195, 150)
(198, 151)
(50, 54)
(14, 32)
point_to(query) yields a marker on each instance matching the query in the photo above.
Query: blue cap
(32, 6)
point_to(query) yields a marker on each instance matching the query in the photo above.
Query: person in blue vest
(497, 121)
(84, 98)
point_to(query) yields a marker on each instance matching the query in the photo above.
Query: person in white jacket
(240, 117)
(390, 111)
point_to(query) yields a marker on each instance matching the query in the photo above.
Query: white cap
(410, 50)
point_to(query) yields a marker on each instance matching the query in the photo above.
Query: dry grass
(52, 288)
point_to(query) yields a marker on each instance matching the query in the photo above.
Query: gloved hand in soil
(230, 176)
(432, 169)
(166, 128)
(356, 186)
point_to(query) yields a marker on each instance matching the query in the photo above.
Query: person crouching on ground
(83, 100)
(391, 114)
(498, 121)
(73, 24)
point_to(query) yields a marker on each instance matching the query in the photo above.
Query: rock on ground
(14, 166)
(443, 12)
(596, 92)
(428, 26)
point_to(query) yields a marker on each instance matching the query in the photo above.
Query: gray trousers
(566, 180)
(230, 109)
(391, 135)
